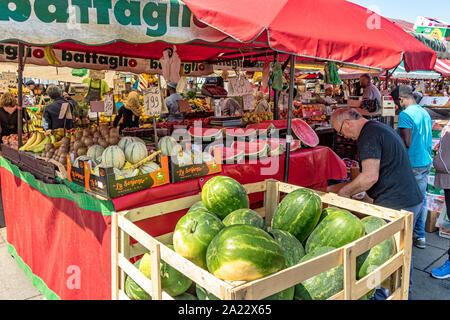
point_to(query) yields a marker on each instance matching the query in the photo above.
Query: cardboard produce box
(430, 224)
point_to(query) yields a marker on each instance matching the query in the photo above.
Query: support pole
(20, 95)
(275, 96)
(289, 120)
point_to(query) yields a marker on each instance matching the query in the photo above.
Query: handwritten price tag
(109, 104)
(152, 101)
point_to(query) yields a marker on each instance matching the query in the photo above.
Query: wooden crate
(394, 274)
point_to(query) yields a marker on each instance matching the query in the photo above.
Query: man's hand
(65, 95)
(365, 180)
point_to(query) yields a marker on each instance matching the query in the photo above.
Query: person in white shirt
(371, 92)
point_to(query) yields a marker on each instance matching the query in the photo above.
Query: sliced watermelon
(296, 144)
(276, 148)
(230, 154)
(263, 128)
(305, 133)
(256, 149)
(240, 132)
(207, 134)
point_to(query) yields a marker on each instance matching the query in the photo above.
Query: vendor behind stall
(97, 86)
(172, 104)
(129, 114)
(52, 111)
(371, 99)
(261, 103)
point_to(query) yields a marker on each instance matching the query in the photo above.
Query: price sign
(110, 107)
(4, 85)
(152, 101)
(119, 85)
(248, 101)
(10, 78)
(240, 87)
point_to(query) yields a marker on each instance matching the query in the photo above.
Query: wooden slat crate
(394, 274)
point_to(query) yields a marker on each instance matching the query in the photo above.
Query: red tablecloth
(62, 239)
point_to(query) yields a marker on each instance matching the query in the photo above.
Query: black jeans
(447, 204)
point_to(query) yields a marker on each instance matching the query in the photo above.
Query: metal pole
(275, 96)
(20, 95)
(289, 120)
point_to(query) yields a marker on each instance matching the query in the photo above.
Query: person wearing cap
(172, 104)
(415, 129)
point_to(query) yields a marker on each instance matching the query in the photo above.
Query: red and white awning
(443, 67)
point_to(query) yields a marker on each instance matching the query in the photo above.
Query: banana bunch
(36, 120)
(39, 139)
(51, 57)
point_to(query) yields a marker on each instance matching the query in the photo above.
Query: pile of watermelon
(223, 235)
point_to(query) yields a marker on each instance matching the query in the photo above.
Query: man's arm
(406, 135)
(365, 180)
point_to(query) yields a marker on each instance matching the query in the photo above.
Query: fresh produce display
(244, 216)
(197, 205)
(202, 294)
(375, 257)
(326, 212)
(295, 145)
(12, 140)
(298, 213)
(172, 281)
(324, 285)
(335, 230)
(231, 154)
(95, 151)
(257, 117)
(223, 195)
(243, 253)
(253, 150)
(193, 233)
(149, 167)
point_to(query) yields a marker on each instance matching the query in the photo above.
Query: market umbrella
(334, 30)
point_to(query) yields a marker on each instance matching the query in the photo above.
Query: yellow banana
(52, 138)
(58, 144)
(41, 146)
(29, 142)
(39, 138)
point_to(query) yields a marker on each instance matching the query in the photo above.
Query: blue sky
(409, 9)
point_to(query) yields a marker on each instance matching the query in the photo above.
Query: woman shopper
(9, 114)
(441, 163)
(129, 114)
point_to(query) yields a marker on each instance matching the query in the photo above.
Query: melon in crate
(182, 159)
(168, 146)
(193, 233)
(223, 195)
(128, 173)
(95, 151)
(243, 253)
(133, 290)
(172, 281)
(113, 156)
(124, 142)
(135, 152)
(149, 167)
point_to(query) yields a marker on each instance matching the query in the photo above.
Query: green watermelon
(379, 254)
(291, 246)
(324, 285)
(198, 205)
(298, 213)
(223, 195)
(202, 294)
(133, 290)
(113, 156)
(243, 253)
(185, 296)
(244, 216)
(326, 212)
(135, 152)
(293, 252)
(337, 229)
(193, 233)
(172, 281)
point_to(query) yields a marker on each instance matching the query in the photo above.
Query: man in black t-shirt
(386, 172)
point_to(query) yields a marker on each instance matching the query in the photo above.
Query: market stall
(71, 232)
